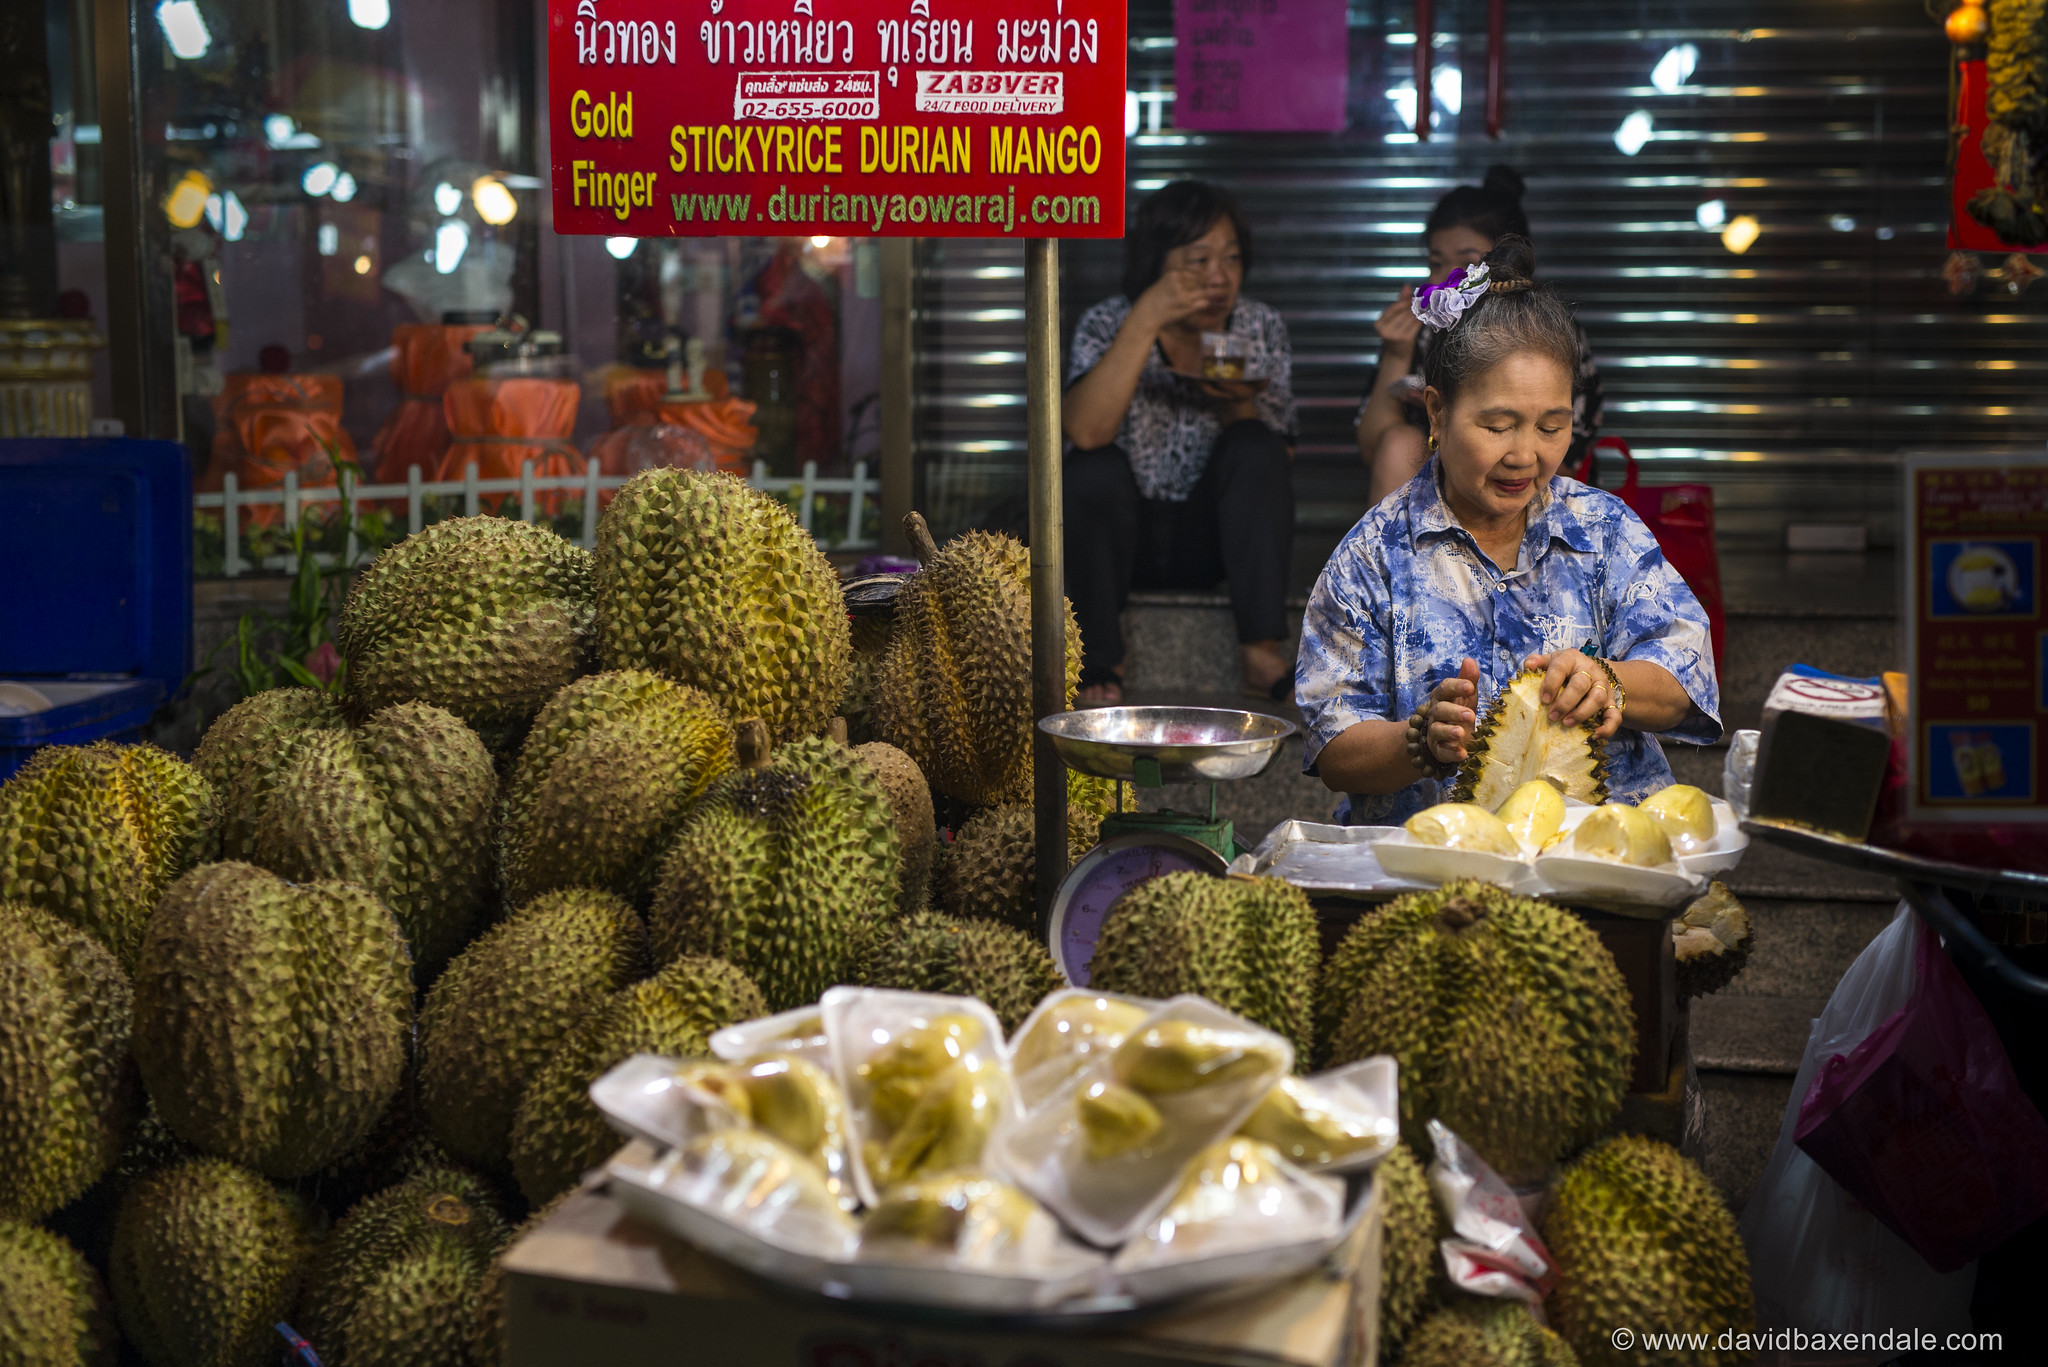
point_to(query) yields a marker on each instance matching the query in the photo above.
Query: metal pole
(1048, 568)
(899, 392)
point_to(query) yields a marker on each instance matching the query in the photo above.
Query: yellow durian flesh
(1179, 1056)
(1114, 1119)
(795, 1100)
(1685, 813)
(1624, 835)
(1075, 1027)
(967, 1214)
(948, 1129)
(1534, 813)
(897, 1073)
(1294, 1120)
(1464, 826)
(751, 1171)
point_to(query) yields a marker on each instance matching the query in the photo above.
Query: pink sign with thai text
(1260, 65)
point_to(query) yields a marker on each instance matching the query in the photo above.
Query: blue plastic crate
(95, 586)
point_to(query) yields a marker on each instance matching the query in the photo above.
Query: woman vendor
(1486, 563)
(1174, 481)
(1392, 424)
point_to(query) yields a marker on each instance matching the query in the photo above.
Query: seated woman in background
(1172, 481)
(1461, 230)
(1487, 563)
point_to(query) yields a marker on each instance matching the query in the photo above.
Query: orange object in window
(266, 425)
(428, 358)
(635, 399)
(499, 423)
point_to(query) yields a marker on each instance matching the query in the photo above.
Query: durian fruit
(1533, 813)
(869, 638)
(1711, 940)
(487, 1322)
(54, 1312)
(1412, 1226)
(930, 952)
(1685, 812)
(1623, 834)
(507, 1002)
(558, 1132)
(606, 776)
(782, 868)
(954, 691)
(66, 1087)
(1180, 1056)
(396, 1282)
(1248, 944)
(917, 831)
(1476, 1331)
(207, 1258)
(271, 1019)
(991, 869)
(713, 584)
(242, 751)
(402, 805)
(1516, 742)
(1114, 1119)
(485, 617)
(95, 833)
(1464, 826)
(1639, 1236)
(1508, 1018)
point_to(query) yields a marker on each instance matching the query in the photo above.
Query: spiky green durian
(507, 1001)
(271, 1019)
(1507, 1016)
(487, 1325)
(930, 952)
(917, 832)
(610, 768)
(485, 617)
(558, 1132)
(869, 637)
(1411, 1228)
(1640, 1236)
(1473, 1331)
(54, 1312)
(782, 870)
(1516, 742)
(207, 1258)
(95, 833)
(66, 1088)
(1248, 944)
(954, 689)
(395, 1284)
(1711, 940)
(991, 871)
(713, 584)
(402, 805)
(243, 750)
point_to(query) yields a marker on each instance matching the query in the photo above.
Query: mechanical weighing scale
(1150, 747)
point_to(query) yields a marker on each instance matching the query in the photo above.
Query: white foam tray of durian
(770, 1154)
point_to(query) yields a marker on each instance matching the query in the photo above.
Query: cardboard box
(594, 1286)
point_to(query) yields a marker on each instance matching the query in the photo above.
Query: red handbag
(1681, 517)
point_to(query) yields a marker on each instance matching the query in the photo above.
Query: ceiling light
(363, 264)
(329, 239)
(451, 240)
(621, 247)
(234, 218)
(344, 188)
(1713, 215)
(1635, 131)
(821, 242)
(1447, 88)
(213, 212)
(1740, 234)
(278, 129)
(371, 14)
(1842, 223)
(319, 178)
(184, 29)
(494, 203)
(1130, 113)
(1675, 68)
(447, 198)
(185, 205)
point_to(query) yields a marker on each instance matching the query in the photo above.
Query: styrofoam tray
(1724, 851)
(1325, 859)
(1402, 855)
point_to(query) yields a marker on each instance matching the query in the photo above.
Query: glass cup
(1224, 357)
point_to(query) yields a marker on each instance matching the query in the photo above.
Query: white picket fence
(859, 490)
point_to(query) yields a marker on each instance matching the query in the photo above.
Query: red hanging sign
(844, 118)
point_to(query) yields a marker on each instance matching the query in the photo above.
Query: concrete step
(1802, 950)
(1739, 1118)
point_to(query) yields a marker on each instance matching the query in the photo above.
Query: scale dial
(1106, 873)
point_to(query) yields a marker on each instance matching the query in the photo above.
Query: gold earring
(1432, 443)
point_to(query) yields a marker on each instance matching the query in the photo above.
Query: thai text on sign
(883, 118)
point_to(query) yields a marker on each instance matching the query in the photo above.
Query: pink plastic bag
(1925, 1124)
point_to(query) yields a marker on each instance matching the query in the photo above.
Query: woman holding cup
(1179, 419)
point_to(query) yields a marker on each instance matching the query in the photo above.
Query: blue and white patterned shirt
(1408, 595)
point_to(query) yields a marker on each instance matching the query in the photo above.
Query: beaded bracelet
(1617, 696)
(1419, 753)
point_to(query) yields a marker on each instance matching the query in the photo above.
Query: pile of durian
(302, 1031)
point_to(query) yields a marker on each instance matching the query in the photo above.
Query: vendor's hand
(1397, 324)
(1574, 689)
(1450, 718)
(1174, 296)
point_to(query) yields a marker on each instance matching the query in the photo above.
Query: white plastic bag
(1819, 1260)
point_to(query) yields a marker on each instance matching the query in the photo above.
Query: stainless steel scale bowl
(1154, 746)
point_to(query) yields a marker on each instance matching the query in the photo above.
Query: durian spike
(921, 544)
(750, 743)
(835, 730)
